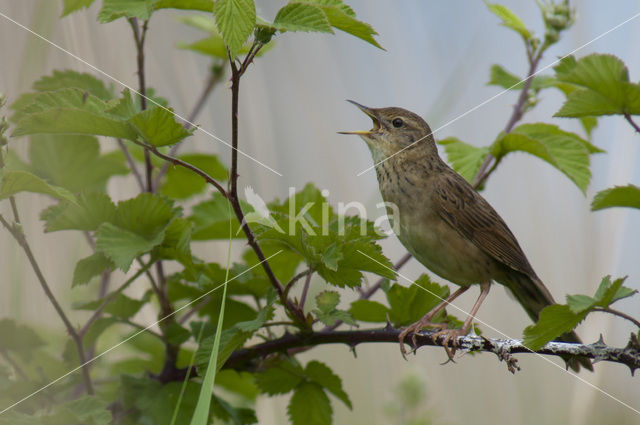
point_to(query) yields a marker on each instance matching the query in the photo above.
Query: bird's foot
(414, 329)
(450, 336)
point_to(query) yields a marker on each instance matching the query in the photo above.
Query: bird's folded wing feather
(458, 204)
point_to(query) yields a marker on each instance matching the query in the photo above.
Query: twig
(305, 290)
(518, 111)
(619, 314)
(632, 122)
(214, 78)
(293, 281)
(236, 74)
(17, 234)
(132, 164)
(503, 348)
(5, 354)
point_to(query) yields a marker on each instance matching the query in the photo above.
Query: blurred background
(292, 102)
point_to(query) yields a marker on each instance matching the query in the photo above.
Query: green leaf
(579, 303)
(327, 313)
(90, 267)
(322, 375)
(279, 379)
(510, 20)
(158, 127)
(146, 214)
(603, 87)
(85, 410)
(69, 111)
(346, 22)
(12, 182)
(609, 292)
(120, 306)
(554, 321)
(619, 196)
(242, 383)
(408, 305)
(90, 211)
(182, 183)
(368, 311)
(301, 17)
(211, 219)
(176, 334)
(465, 159)
(74, 162)
(211, 46)
(69, 78)
(202, 5)
(309, 405)
(327, 301)
(236, 20)
(122, 246)
(566, 151)
(114, 9)
(503, 78)
(71, 6)
(177, 240)
(19, 338)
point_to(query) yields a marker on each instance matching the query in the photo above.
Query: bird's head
(394, 129)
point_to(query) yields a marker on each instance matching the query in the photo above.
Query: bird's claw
(450, 336)
(413, 330)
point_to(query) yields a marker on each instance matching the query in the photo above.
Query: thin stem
(14, 209)
(518, 111)
(5, 354)
(215, 77)
(141, 327)
(17, 234)
(293, 281)
(305, 290)
(132, 164)
(236, 73)
(635, 126)
(176, 161)
(619, 314)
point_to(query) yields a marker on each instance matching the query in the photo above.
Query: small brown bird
(446, 225)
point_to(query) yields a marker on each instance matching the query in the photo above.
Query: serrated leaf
(408, 305)
(146, 214)
(87, 214)
(70, 78)
(90, 267)
(566, 151)
(309, 405)
(619, 196)
(554, 321)
(301, 17)
(510, 20)
(12, 182)
(465, 159)
(321, 374)
(74, 162)
(369, 311)
(157, 126)
(279, 379)
(331, 257)
(71, 6)
(346, 22)
(579, 303)
(327, 301)
(122, 246)
(182, 183)
(236, 20)
(609, 292)
(69, 111)
(114, 9)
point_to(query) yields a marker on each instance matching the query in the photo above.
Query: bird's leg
(453, 334)
(426, 320)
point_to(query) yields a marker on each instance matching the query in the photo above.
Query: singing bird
(446, 225)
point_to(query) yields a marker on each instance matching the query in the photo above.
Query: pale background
(292, 103)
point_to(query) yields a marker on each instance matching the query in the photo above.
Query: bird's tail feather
(534, 296)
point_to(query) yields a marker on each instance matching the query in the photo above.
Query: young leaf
(503, 78)
(566, 151)
(158, 127)
(71, 6)
(236, 20)
(327, 301)
(12, 182)
(609, 292)
(301, 17)
(465, 159)
(346, 22)
(554, 321)
(69, 78)
(510, 20)
(321, 374)
(114, 9)
(309, 405)
(619, 196)
(90, 267)
(182, 183)
(327, 313)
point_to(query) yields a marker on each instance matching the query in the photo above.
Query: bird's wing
(458, 204)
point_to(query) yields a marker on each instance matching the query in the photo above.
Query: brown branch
(619, 314)
(247, 358)
(19, 236)
(132, 164)
(305, 290)
(632, 122)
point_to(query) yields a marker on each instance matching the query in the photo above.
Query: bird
(447, 225)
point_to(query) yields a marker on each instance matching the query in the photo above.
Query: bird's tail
(534, 296)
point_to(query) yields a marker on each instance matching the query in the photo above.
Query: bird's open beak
(371, 113)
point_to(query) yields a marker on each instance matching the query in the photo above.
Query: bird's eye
(397, 122)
